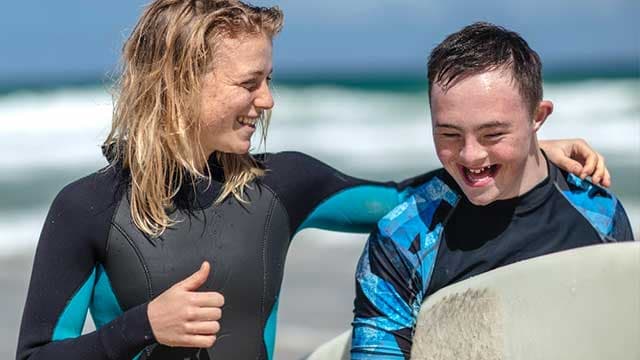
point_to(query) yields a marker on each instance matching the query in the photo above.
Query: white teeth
(247, 121)
(479, 171)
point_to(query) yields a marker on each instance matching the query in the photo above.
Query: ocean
(374, 128)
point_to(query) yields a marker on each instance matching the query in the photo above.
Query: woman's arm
(63, 283)
(68, 279)
(317, 195)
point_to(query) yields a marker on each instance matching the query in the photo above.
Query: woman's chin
(241, 148)
(237, 147)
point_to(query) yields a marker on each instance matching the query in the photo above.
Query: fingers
(590, 160)
(203, 314)
(594, 164)
(601, 173)
(196, 279)
(199, 341)
(203, 328)
(598, 172)
(570, 165)
(606, 182)
(183, 316)
(207, 299)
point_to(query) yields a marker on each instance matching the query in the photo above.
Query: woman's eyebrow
(258, 73)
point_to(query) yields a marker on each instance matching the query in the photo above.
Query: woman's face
(235, 93)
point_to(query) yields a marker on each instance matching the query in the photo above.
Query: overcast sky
(78, 37)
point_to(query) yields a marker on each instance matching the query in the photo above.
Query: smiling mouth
(247, 121)
(477, 177)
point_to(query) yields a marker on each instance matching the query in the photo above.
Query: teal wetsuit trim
(72, 319)
(104, 304)
(270, 330)
(355, 209)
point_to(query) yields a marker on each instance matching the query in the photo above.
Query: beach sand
(14, 279)
(315, 301)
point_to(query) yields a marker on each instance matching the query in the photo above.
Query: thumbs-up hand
(182, 316)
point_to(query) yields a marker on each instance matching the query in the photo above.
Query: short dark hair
(481, 47)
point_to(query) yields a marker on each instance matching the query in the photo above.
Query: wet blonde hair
(156, 125)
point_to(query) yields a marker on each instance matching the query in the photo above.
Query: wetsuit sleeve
(317, 195)
(394, 270)
(62, 284)
(389, 292)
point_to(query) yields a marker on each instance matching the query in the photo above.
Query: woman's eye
(249, 85)
(494, 135)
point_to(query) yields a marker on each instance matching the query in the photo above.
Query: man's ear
(544, 109)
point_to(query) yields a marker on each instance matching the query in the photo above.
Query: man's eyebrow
(490, 125)
(448, 126)
(494, 125)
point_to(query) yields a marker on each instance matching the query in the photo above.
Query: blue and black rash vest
(437, 237)
(90, 257)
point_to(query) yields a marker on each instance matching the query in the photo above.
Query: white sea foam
(54, 129)
(67, 127)
(353, 130)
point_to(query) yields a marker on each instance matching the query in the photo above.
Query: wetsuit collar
(202, 192)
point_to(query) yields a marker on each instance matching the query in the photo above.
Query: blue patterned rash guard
(91, 258)
(437, 237)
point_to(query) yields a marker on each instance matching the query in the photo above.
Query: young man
(496, 201)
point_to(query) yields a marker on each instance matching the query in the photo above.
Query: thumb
(195, 280)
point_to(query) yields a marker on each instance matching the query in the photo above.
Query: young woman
(177, 247)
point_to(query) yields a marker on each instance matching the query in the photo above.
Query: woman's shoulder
(102, 187)
(81, 213)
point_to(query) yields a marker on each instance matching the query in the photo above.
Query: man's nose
(473, 153)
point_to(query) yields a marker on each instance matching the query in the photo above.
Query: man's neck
(536, 170)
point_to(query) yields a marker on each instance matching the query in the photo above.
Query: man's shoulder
(599, 205)
(424, 205)
(583, 192)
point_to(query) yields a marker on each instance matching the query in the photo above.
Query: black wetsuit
(91, 256)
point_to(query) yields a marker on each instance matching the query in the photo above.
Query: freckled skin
(237, 86)
(482, 120)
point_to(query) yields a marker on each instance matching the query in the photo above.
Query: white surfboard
(581, 304)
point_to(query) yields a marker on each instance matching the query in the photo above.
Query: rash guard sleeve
(63, 282)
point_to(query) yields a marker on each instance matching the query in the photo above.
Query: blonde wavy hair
(155, 128)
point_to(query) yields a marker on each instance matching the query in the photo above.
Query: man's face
(485, 137)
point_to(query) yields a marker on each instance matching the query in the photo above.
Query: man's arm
(393, 275)
(385, 310)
